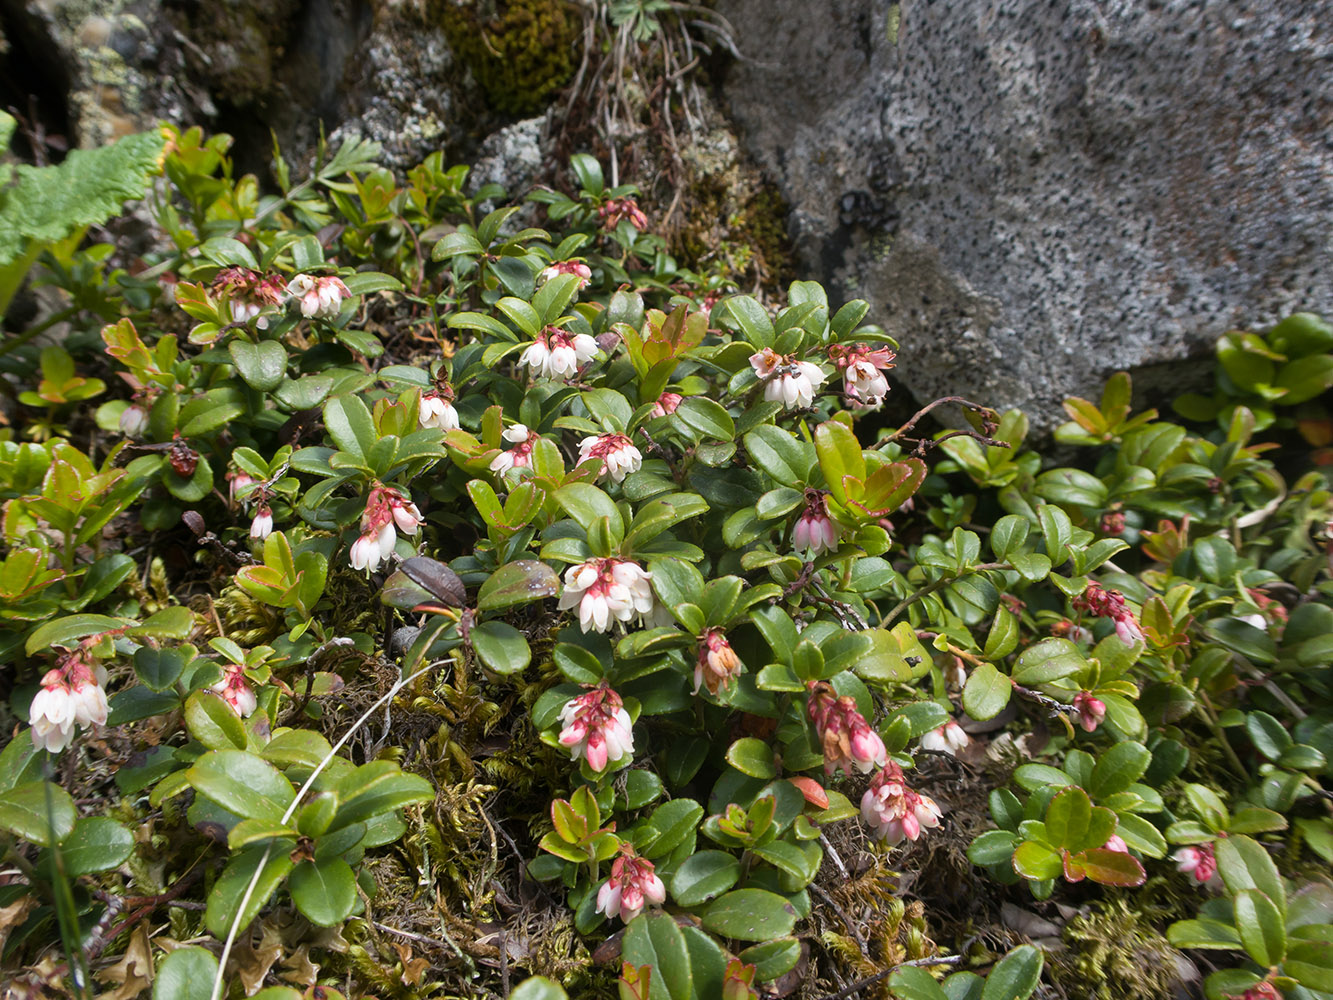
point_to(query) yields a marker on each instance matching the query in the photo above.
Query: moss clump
(1115, 953)
(520, 51)
(743, 242)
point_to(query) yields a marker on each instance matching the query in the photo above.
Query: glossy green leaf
(986, 692)
(703, 876)
(38, 811)
(186, 974)
(1261, 926)
(324, 892)
(750, 915)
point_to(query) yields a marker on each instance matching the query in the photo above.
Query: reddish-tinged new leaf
(1110, 867)
(812, 790)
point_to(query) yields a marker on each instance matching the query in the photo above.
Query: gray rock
(1035, 194)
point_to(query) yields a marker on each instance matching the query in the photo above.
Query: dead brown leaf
(134, 972)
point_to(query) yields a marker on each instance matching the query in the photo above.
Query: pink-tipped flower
(387, 512)
(1111, 604)
(895, 812)
(1091, 710)
(948, 738)
(237, 486)
(262, 525)
(717, 665)
(786, 380)
(633, 885)
(249, 293)
(597, 728)
(618, 455)
(575, 267)
(1198, 861)
(607, 591)
(558, 355)
(1261, 991)
(133, 420)
(815, 531)
(319, 298)
(622, 208)
(71, 694)
(437, 410)
(863, 372)
(519, 456)
(236, 691)
(666, 404)
(845, 737)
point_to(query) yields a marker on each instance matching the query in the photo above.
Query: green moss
(520, 51)
(243, 43)
(1115, 953)
(743, 242)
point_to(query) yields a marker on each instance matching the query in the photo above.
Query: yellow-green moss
(1115, 953)
(520, 51)
(744, 242)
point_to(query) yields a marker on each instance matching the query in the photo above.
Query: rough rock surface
(245, 67)
(1034, 194)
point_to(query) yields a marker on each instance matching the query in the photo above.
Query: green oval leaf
(986, 693)
(186, 974)
(750, 915)
(325, 892)
(1261, 926)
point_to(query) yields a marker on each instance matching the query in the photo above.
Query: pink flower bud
(717, 665)
(597, 728)
(618, 455)
(846, 738)
(633, 885)
(1091, 710)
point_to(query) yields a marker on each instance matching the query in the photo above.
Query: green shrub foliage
(417, 558)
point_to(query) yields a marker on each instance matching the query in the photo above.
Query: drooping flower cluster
(1096, 600)
(249, 293)
(236, 691)
(666, 404)
(72, 694)
(633, 885)
(787, 380)
(717, 666)
(436, 409)
(948, 738)
(387, 512)
(863, 370)
(815, 530)
(575, 267)
(597, 728)
(845, 737)
(893, 811)
(616, 209)
(1091, 710)
(319, 298)
(1199, 861)
(607, 591)
(519, 456)
(558, 355)
(617, 452)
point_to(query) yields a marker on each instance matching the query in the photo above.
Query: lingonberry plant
(441, 596)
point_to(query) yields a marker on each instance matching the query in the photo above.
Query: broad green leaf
(213, 722)
(186, 974)
(704, 875)
(96, 844)
(501, 647)
(1261, 926)
(242, 783)
(1244, 864)
(1015, 976)
(753, 757)
(224, 901)
(38, 811)
(912, 983)
(653, 939)
(263, 366)
(986, 692)
(1118, 768)
(707, 418)
(750, 915)
(325, 893)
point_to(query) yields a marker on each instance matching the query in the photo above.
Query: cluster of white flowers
(319, 298)
(617, 452)
(387, 512)
(436, 411)
(597, 728)
(607, 591)
(72, 694)
(558, 355)
(519, 456)
(786, 380)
